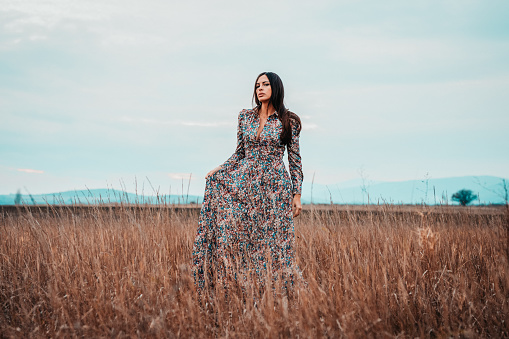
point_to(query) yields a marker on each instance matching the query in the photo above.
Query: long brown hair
(276, 99)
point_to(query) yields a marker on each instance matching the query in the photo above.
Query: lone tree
(464, 197)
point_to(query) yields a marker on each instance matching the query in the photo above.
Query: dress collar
(256, 111)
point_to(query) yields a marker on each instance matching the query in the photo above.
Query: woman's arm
(239, 151)
(295, 166)
(294, 160)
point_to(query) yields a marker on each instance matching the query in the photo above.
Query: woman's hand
(296, 205)
(213, 171)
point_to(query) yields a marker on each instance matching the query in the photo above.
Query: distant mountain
(95, 196)
(431, 191)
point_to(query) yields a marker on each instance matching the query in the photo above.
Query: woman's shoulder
(295, 121)
(246, 112)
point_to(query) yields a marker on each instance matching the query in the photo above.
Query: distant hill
(96, 196)
(431, 192)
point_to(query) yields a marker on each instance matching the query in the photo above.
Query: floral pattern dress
(246, 223)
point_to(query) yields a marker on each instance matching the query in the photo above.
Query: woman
(246, 223)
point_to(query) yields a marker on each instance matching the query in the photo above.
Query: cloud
(175, 122)
(180, 176)
(27, 170)
(206, 124)
(308, 126)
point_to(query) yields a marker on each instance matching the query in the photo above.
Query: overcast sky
(95, 93)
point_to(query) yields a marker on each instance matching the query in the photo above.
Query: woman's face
(263, 90)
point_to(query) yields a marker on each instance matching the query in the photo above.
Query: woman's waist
(265, 154)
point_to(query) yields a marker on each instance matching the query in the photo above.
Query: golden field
(371, 271)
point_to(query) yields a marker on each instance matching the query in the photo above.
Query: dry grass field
(371, 271)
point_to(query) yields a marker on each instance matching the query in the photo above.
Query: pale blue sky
(93, 93)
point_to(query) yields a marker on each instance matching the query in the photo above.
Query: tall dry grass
(371, 272)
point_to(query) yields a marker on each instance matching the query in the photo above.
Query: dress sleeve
(239, 152)
(294, 161)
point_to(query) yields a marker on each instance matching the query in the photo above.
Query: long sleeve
(294, 161)
(239, 151)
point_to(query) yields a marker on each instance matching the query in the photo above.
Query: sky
(144, 95)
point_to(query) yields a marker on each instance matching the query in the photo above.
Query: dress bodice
(268, 146)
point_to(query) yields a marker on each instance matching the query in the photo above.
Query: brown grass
(381, 271)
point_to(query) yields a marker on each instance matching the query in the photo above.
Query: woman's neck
(266, 109)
